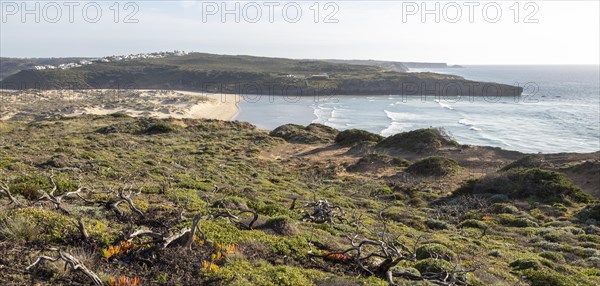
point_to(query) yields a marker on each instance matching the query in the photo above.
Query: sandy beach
(220, 106)
(151, 103)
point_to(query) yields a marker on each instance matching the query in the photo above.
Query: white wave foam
(394, 128)
(323, 114)
(444, 105)
(398, 116)
(466, 122)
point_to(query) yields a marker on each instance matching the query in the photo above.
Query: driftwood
(69, 260)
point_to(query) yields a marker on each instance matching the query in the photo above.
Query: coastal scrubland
(118, 200)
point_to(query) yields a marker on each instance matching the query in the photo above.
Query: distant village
(113, 59)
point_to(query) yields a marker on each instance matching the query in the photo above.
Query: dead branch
(388, 252)
(57, 199)
(236, 220)
(69, 260)
(321, 211)
(195, 227)
(184, 237)
(113, 204)
(82, 230)
(125, 198)
(6, 190)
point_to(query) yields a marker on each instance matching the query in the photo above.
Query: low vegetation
(134, 201)
(419, 141)
(374, 162)
(434, 166)
(313, 133)
(352, 137)
(521, 183)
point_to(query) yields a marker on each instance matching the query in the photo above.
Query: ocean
(558, 112)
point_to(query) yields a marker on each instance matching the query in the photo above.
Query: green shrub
(511, 220)
(373, 162)
(187, 198)
(435, 250)
(281, 225)
(135, 126)
(545, 186)
(562, 209)
(353, 136)
(420, 140)
(499, 198)
(434, 166)
(28, 186)
(437, 224)
(547, 277)
(525, 263)
(268, 208)
(119, 115)
(503, 208)
(555, 236)
(39, 225)
(431, 265)
(230, 203)
(473, 224)
(495, 253)
(590, 214)
(160, 127)
(313, 133)
(529, 161)
(238, 271)
(384, 191)
(553, 256)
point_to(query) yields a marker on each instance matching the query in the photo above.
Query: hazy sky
(546, 32)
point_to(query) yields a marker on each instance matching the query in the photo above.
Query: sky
(472, 32)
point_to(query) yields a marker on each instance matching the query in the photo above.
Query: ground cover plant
(137, 201)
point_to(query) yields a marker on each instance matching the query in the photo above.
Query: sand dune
(23, 105)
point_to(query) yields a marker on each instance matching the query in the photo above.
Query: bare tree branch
(70, 261)
(6, 190)
(57, 199)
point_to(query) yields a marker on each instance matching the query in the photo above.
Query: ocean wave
(398, 116)
(466, 122)
(395, 128)
(444, 105)
(323, 114)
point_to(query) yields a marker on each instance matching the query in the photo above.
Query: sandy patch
(22, 105)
